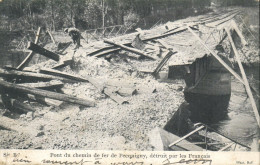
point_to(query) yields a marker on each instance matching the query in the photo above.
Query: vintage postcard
(121, 82)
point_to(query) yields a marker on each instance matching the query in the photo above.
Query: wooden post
(52, 38)
(248, 90)
(30, 55)
(36, 48)
(48, 94)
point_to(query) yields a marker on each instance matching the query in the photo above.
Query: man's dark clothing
(75, 35)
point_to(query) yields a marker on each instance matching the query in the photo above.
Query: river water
(240, 123)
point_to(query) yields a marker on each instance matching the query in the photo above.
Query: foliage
(87, 14)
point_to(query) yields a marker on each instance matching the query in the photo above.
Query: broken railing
(106, 32)
(201, 127)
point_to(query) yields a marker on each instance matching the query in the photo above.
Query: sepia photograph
(129, 75)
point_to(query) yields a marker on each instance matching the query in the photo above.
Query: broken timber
(30, 55)
(113, 95)
(164, 60)
(62, 64)
(44, 100)
(248, 90)
(36, 48)
(44, 85)
(133, 50)
(30, 75)
(160, 140)
(48, 94)
(62, 74)
(110, 49)
(93, 81)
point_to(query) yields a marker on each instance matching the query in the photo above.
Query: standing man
(75, 36)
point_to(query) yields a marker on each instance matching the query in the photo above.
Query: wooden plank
(133, 50)
(248, 90)
(48, 94)
(44, 85)
(184, 137)
(106, 52)
(160, 140)
(29, 57)
(226, 147)
(36, 48)
(44, 100)
(63, 64)
(62, 74)
(115, 48)
(32, 76)
(124, 91)
(163, 61)
(113, 95)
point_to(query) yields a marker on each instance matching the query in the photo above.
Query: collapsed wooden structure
(45, 85)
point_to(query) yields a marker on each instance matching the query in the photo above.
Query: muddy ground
(107, 126)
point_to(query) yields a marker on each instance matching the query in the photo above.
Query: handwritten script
(188, 161)
(81, 162)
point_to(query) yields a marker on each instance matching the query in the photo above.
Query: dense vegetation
(87, 14)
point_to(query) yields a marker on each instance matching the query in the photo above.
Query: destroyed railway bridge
(191, 49)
